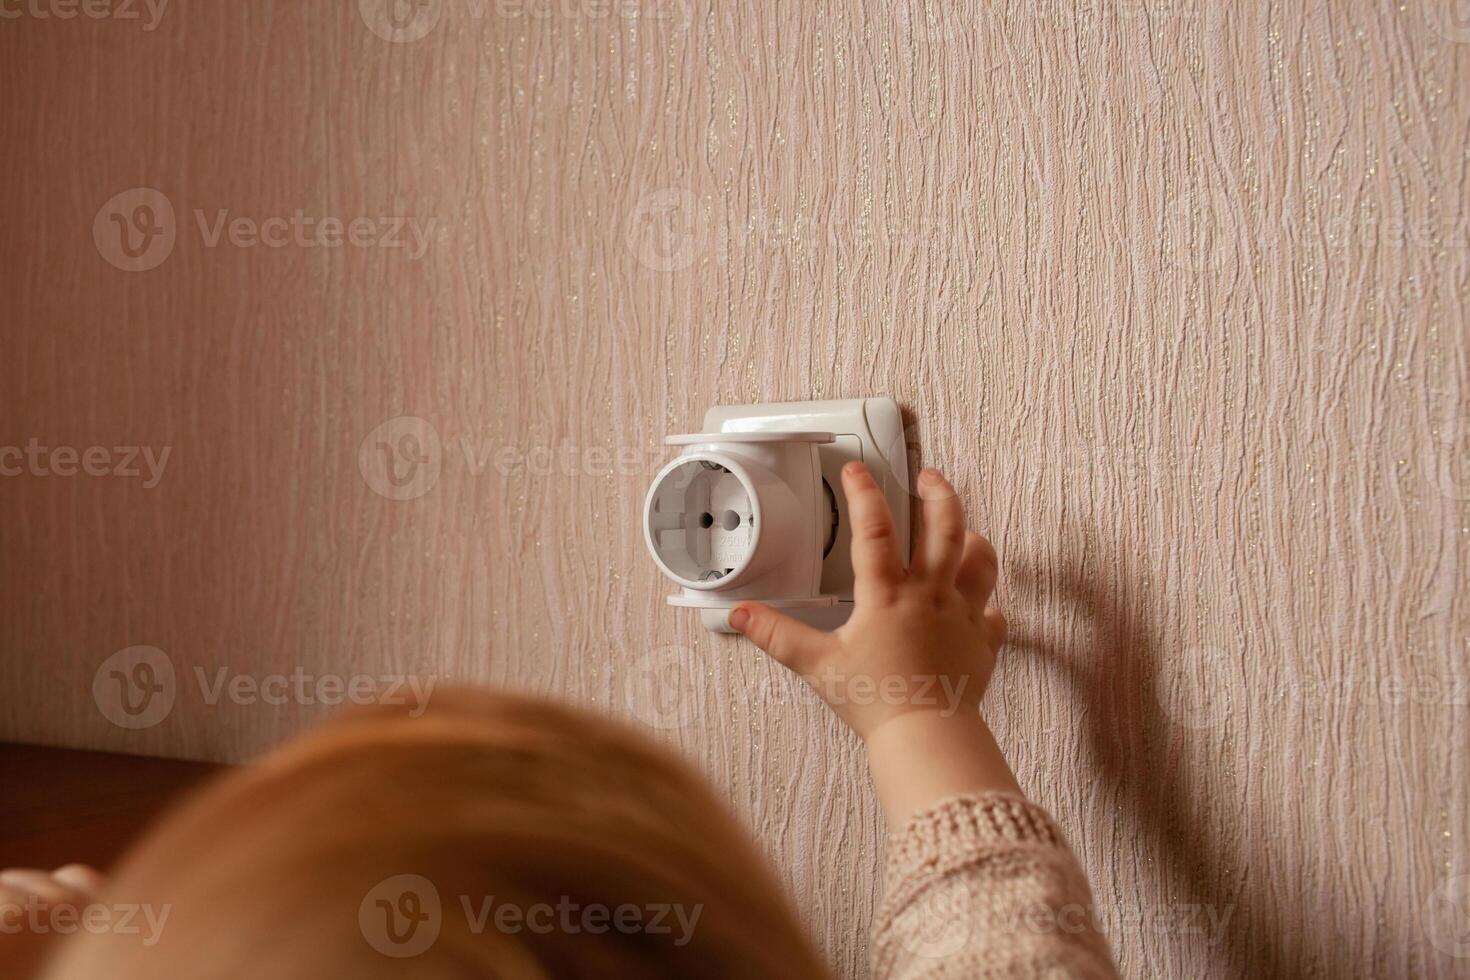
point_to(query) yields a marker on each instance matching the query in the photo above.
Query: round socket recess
(702, 521)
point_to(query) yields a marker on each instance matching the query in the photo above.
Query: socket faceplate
(867, 429)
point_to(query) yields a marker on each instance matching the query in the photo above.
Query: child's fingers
(978, 569)
(876, 566)
(88, 881)
(790, 642)
(32, 884)
(943, 540)
(995, 627)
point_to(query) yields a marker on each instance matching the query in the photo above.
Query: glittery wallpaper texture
(1175, 291)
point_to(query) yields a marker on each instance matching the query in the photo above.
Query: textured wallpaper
(340, 339)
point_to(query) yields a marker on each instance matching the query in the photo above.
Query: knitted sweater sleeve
(982, 886)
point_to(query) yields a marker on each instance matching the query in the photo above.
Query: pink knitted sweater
(984, 885)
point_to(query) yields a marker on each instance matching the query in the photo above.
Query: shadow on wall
(1137, 749)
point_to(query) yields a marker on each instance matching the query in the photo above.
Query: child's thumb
(788, 641)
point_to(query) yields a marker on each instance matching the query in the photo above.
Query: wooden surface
(1175, 291)
(62, 806)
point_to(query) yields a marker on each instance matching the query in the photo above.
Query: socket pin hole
(729, 520)
(706, 519)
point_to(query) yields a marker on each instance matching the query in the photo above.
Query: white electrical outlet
(753, 507)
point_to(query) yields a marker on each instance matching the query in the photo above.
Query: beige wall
(1177, 292)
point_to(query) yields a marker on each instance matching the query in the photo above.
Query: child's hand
(37, 908)
(907, 671)
(921, 639)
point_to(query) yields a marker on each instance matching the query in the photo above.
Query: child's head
(492, 836)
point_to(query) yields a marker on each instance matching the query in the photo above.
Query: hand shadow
(1136, 747)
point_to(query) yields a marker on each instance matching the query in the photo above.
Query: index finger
(877, 568)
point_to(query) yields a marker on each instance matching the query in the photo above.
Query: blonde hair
(385, 844)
